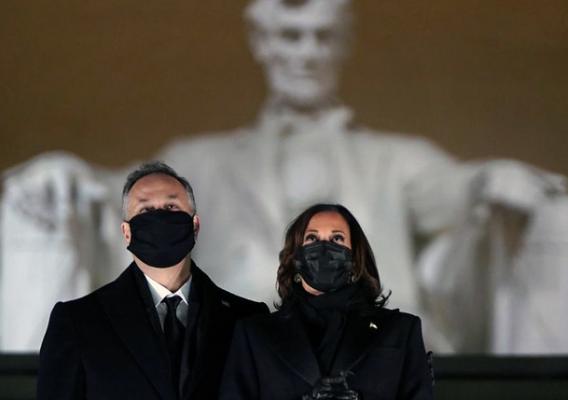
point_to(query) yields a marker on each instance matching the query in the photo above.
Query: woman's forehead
(328, 220)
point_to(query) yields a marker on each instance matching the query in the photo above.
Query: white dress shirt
(159, 293)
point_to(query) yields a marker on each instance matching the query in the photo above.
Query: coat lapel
(128, 305)
(360, 334)
(291, 344)
(209, 321)
(188, 357)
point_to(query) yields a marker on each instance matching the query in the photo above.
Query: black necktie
(174, 332)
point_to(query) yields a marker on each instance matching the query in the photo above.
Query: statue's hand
(516, 185)
(49, 188)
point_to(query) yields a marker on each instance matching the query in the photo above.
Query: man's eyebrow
(144, 200)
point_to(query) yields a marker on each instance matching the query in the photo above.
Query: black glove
(332, 388)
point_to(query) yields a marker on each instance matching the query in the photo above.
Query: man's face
(154, 192)
(302, 52)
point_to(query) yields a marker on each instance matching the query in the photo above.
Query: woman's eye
(338, 238)
(310, 237)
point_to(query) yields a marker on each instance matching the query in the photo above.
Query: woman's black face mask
(325, 266)
(161, 238)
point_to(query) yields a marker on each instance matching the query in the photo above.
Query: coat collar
(291, 344)
(211, 319)
(202, 303)
(361, 333)
(128, 304)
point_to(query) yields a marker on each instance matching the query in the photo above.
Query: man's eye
(146, 209)
(170, 207)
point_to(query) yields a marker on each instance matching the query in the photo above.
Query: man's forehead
(157, 183)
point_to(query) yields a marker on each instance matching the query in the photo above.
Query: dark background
(113, 80)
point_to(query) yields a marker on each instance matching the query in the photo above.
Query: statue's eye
(290, 35)
(324, 35)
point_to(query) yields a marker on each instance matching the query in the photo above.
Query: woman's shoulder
(394, 317)
(262, 327)
(394, 313)
(273, 318)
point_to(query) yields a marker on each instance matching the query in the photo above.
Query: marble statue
(60, 216)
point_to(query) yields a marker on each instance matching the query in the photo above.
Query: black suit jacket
(109, 344)
(271, 358)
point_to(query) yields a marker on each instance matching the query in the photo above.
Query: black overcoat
(271, 358)
(109, 344)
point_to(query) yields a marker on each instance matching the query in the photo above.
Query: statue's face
(302, 53)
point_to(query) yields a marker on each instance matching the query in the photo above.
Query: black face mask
(161, 238)
(325, 266)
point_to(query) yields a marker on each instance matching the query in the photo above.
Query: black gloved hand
(332, 388)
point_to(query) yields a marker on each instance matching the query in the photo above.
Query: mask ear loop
(297, 266)
(192, 216)
(297, 277)
(352, 277)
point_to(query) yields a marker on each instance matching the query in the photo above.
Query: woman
(331, 337)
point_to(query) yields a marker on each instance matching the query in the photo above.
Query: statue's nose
(308, 46)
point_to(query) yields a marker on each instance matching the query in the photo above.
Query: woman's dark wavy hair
(364, 265)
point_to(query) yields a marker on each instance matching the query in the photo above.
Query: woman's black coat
(271, 358)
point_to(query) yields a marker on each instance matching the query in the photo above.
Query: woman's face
(330, 226)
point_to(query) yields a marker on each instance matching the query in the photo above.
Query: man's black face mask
(161, 238)
(324, 265)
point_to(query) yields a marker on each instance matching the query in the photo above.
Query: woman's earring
(297, 278)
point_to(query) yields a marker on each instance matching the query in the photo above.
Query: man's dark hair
(154, 167)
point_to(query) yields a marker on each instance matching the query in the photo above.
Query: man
(305, 147)
(159, 331)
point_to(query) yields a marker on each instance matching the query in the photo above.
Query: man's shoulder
(90, 300)
(241, 306)
(77, 309)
